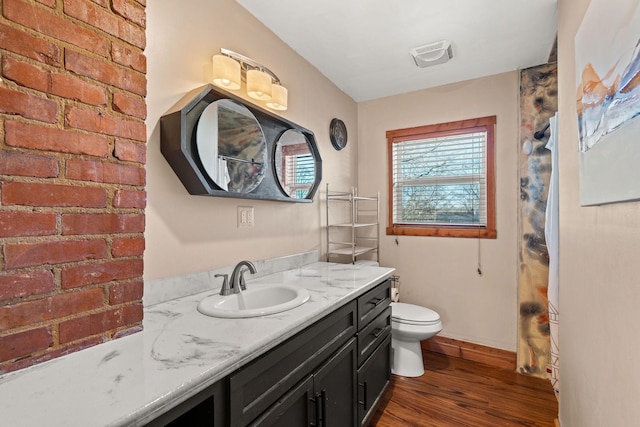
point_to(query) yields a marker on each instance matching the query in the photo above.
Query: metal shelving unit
(357, 232)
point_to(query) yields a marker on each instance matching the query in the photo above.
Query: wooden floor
(460, 393)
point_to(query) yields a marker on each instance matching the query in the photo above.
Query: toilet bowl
(410, 324)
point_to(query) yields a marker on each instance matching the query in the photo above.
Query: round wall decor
(338, 134)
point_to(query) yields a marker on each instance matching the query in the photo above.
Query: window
(299, 167)
(442, 180)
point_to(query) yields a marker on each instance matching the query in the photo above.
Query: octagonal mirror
(231, 146)
(294, 164)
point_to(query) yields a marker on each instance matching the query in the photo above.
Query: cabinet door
(335, 386)
(296, 408)
(373, 377)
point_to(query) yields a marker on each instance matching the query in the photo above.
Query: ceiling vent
(432, 53)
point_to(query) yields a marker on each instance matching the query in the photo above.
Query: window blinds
(300, 173)
(440, 180)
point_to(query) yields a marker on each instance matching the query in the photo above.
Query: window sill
(472, 232)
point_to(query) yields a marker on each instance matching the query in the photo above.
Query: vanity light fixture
(226, 72)
(259, 85)
(262, 83)
(279, 96)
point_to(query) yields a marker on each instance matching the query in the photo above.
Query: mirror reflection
(231, 146)
(294, 164)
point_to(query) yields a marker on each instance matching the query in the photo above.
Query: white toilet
(409, 325)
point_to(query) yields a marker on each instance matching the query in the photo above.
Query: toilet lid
(413, 314)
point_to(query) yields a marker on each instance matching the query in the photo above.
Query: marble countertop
(132, 380)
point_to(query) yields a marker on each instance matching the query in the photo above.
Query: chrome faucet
(236, 283)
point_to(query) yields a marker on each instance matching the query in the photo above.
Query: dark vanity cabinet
(332, 374)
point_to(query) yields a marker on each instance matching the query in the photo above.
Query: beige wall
(599, 280)
(439, 272)
(192, 233)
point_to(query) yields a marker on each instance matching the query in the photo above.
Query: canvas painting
(607, 48)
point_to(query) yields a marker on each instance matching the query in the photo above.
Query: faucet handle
(224, 290)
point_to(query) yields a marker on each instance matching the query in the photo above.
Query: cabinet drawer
(373, 303)
(256, 386)
(373, 334)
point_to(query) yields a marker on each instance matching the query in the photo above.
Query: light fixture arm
(247, 63)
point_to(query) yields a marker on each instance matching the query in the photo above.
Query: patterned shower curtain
(551, 237)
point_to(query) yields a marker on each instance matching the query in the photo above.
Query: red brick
(14, 224)
(51, 354)
(120, 293)
(128, 57)
(55, 307)
(101, 122)
(29, 46)
(87, 170)
(91, 274)
(50, 3)
(25, 74)
(132, 34)
(53, 139)
(81, 224)
(130, 151)
(92, 14)
(97, 323)
(105, 20)
(130, 11)
(49, 23)
(24, 343)
(130, 199)
(27, 106)
(104, 72)
(70, 87)
(125, 246)
(23, 164)
(126, 332)
(28, 283)
(38, 194)
(128, 104)
(64, 85)
(19, 255)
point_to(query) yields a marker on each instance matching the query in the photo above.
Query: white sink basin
(255, 301)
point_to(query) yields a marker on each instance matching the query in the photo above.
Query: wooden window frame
(487, 231)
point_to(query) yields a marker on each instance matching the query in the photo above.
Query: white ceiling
(363, 45)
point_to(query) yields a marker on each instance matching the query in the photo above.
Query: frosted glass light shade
(259, 85)
(226, 72)
(279, 96)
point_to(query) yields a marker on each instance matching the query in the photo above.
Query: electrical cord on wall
(479, 255)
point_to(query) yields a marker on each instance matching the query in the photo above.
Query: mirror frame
(178, 146)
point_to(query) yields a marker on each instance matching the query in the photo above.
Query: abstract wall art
(607, 49)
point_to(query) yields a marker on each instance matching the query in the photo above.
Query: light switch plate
(245, 216)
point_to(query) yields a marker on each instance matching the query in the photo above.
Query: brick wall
(72, 177)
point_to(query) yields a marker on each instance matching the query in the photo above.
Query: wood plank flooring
(461, 393)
